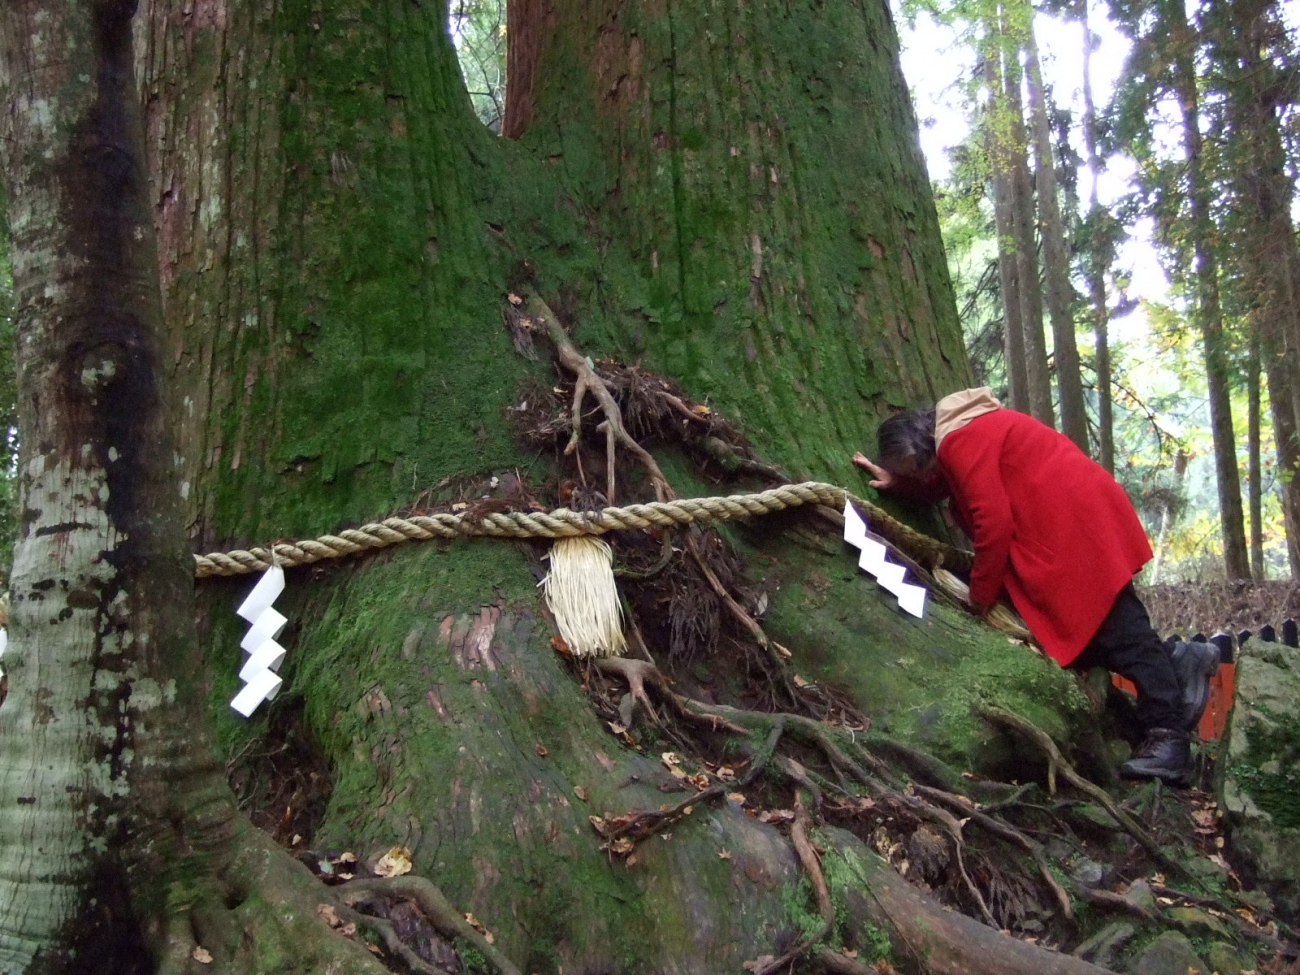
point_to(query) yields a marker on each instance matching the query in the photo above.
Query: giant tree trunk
(338, 239)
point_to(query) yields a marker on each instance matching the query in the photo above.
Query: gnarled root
(445, 919)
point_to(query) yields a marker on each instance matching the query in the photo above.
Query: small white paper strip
(911, 598)
(266, 657)
(266, 592)
(265, 627)
(262, 687)
(261, 682)
(855, 529)
(873, 556)
(4, 645)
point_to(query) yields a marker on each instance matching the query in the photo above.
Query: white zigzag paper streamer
(261, 682)
(911, 598)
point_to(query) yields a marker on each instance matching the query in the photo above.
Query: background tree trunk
(1268, 249)
(997, 140)
(1022, 210)
(1056, 259)
(1208, 312)
(1097, 260)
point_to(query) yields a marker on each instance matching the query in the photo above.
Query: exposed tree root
(803, 848)
(586, 380)
(943, 942)
(439, 911)
(1099, 795)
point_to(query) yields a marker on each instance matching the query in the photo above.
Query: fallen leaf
(580, 792)
(726, 773)
(328, 915)
(559, 646)
(348, 857)
(297, 838)
(394, 863)
(621, 846)
(688, 810)
(201, 955)
(541, 750)
(374, 949)
(617, 728)
(737, 797)
(348, 930)
(597, 824)
(759, 963)
(631, 860)
(514, 299)
(724, 854)
(782, 650)
(670, 759)
(799, 681)
(701, 410)
(776, 816)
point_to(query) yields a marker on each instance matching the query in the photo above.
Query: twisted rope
(561, 523)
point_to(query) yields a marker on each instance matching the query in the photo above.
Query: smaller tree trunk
(1056, 260)
(1254, 483)
(1008, 268)
(1209, 312)
(1268, 249)
(1022, 210)
(1098, 258)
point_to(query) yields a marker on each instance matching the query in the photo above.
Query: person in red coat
(1057, 534)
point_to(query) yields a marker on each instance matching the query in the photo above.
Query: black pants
(1126, 644)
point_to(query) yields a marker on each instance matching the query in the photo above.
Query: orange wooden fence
(1216, 712)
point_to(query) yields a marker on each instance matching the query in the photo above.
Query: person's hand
(881, 479)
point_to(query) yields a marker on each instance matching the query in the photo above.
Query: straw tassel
(583, 597)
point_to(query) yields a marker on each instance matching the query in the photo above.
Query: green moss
(1270, 770)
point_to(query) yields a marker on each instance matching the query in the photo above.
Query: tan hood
(957, 409)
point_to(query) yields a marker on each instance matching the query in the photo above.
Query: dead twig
(1007, 832)
(1099, 795)
(587, 381)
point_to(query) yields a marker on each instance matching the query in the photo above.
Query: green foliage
(471, 957)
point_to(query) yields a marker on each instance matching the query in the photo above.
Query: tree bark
(338, 238)
(1056, 259)
(102, 759)
(1268, 249)
(1022, 210)
(997, 140)
(1254, 465)
(1208, 312)
(1097, 260)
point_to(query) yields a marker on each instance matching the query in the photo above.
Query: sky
(935, 82)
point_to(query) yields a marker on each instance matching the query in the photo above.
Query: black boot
(1165, 754)
(1194, 665)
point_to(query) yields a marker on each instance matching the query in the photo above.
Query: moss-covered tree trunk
(729, 194)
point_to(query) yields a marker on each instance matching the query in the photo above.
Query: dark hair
(906, 434)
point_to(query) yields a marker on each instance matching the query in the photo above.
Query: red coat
(1048, 524)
